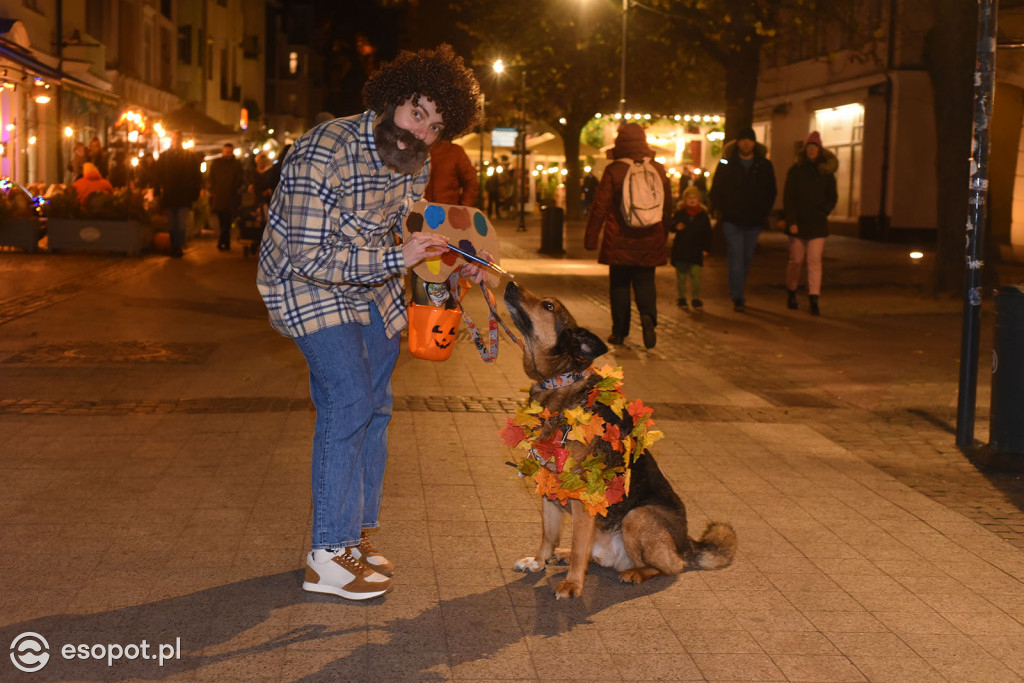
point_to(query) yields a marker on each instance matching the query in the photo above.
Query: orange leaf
(512, 435)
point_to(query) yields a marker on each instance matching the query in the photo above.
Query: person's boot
(814, 305)
(791, 299)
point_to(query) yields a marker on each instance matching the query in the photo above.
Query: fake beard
(387, 135)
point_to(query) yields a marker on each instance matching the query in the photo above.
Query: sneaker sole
(341, 592)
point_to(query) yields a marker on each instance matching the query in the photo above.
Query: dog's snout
(511, 292)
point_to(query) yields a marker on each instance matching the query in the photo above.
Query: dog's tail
(715, 549)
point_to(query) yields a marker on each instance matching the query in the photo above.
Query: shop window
(842, 132)
(185, 44)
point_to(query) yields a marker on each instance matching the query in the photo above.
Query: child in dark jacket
(692, 242)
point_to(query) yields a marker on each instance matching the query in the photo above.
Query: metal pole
(522, 151)
(984, 91)
(622, 72)
(483, 120)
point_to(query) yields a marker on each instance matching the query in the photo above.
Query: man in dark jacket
(630, 253)
(742, 195)
(225, 180)
(178, 182)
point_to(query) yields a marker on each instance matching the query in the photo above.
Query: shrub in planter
(20, 226)
(116, 221)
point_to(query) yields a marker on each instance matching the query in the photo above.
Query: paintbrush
(483, 262)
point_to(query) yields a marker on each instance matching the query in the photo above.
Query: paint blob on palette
(466, 227)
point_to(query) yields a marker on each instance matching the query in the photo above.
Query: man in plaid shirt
(331, 275)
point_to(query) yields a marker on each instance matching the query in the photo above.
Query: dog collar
(563, 380)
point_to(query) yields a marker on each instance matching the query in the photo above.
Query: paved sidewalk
(154, 438)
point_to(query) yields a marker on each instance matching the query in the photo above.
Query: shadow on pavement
(485, 623)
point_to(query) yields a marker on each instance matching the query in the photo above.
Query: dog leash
(488, 351)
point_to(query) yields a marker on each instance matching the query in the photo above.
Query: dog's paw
(568, 589)
(632, 576)
(528, 564)
(561, 556)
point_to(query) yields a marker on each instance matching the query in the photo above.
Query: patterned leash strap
(488, 351)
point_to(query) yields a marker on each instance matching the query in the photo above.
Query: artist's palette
(465, 227)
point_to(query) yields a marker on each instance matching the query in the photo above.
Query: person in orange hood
(91, 181)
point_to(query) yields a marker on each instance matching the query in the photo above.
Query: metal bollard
(551, 230)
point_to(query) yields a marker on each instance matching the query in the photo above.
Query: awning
(87, 92)
(20, 56)
(188, 120)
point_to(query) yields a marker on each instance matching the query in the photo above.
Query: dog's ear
(581, 343)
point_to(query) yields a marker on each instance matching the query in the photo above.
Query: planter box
(97, 235)
(23, 233)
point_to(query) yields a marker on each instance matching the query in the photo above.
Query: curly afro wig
(439, 75)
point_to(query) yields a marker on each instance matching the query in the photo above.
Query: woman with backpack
(632, 207)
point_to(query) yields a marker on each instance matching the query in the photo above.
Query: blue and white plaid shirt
(329, 248)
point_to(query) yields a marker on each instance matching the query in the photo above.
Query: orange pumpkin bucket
(432, 331)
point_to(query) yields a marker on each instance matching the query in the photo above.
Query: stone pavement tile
(482, 661)
(738, 667)
(899, 600)
(711, 638)
(660, 640)
(779, 619)
(973, 624)
(1008, 649)
(637, 615)
(845, 622)
(903, 669)
(254, 666)
(793, 642)
(958, 599)
(741, 600)
(818, 668)
(959, 658)
(682, 620)
(916, 622)
(342, 658)
(637, 666)
(875, 644)
(821, 600)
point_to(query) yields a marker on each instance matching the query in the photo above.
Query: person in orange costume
(90, 182)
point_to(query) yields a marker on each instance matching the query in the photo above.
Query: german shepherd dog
(643, 534)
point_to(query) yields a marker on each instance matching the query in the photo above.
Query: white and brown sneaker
(367, 553)
(340, 573)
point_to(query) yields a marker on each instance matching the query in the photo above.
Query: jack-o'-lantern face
(443, 339)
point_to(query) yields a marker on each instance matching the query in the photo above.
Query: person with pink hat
(809, 197)
(631, 253)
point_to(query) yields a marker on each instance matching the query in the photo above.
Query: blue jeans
(177, 219)
(740, 243)
(350, 369)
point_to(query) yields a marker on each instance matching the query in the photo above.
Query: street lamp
(499, 68)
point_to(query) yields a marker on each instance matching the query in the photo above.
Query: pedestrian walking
(809, 197)
(79, 155)
(177, 182)
(631, 251)
(98, 156)
(692, 227)
(493, 187)
(331, 273)
(742, 194)
(224, 182)
(452, 176)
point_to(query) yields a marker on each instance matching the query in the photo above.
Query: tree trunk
(741, 70)
(950, 55)
(573, 179)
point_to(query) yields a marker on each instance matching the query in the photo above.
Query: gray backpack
(643, 194)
